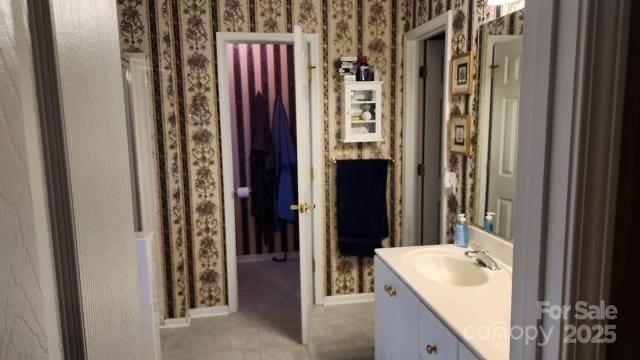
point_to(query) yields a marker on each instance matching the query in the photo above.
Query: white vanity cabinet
(362, 109)
(405, 328)
(435, 341)
(396, 321)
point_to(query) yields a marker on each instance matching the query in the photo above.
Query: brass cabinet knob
(389, 290)
(431, 349)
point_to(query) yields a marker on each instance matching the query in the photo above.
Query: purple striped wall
(267, 68)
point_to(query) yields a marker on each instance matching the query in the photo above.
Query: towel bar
(336, 160)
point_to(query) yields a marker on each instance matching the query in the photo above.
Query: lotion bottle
(461, 237)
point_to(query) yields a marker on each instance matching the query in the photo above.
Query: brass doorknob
(431, 349)
(302, 208)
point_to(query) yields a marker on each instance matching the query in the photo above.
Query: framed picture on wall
(459, 134)
(462, 74)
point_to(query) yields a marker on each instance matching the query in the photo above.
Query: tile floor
(267, 325)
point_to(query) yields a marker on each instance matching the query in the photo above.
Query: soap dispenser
(462, 232)
(488, 221)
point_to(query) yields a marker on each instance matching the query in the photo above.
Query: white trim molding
(347, 299)
(196, 313)
(174, 323)
(208, 311)
(412, 45)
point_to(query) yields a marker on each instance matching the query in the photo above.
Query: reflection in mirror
(498, 101)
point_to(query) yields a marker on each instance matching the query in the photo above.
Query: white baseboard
(194, 314)
(209, 311)
(347, 299)
(264, 257)
(176, 323)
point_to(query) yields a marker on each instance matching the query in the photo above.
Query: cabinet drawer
(434, 340)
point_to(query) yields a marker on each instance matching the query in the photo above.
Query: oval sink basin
(446, 268)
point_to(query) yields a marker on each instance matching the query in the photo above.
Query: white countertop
(480, 316)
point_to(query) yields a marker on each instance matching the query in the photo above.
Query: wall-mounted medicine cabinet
(362, 106)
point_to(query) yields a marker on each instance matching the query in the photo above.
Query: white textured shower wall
(88, 51)
(28, 309)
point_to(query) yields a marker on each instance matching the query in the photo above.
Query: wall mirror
(497, 103)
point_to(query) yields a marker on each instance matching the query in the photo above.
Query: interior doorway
(263, 131)
(426, 88)
(430, 166)
(260, 76)
(293, 226)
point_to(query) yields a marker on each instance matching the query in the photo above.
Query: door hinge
(420, 169)
(493, 70)
(311, 174)
(313, 265)
(423, 71)
(310, 71)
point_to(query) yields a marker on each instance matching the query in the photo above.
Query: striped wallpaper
(178, 38)
(257, 68)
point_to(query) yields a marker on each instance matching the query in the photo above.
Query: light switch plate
(450, 180)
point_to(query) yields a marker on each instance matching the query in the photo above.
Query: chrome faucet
(483, 258)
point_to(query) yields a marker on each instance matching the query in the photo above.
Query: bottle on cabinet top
(364, 69)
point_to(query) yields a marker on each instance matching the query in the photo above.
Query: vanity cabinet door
(464, 353)
(396, 321)
(435, 340)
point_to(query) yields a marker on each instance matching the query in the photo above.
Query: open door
(305, 207)
(504, 135)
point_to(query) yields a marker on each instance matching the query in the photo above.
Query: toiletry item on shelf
(350, 59)
(488, 221)
(366, 113)
(359, 130)
(462, 232)
(364, 69)
(348, 67)
(356, 113)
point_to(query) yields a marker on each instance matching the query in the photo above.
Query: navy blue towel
(361, 199)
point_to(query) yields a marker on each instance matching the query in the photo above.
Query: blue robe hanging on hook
(285, 162)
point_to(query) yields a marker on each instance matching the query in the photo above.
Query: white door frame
(142, 127)
(412, 135)
(569, 129)
(222, 39)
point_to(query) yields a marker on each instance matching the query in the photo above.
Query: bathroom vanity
(434, 302)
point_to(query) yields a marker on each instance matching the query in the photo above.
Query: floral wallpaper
(178, 37)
